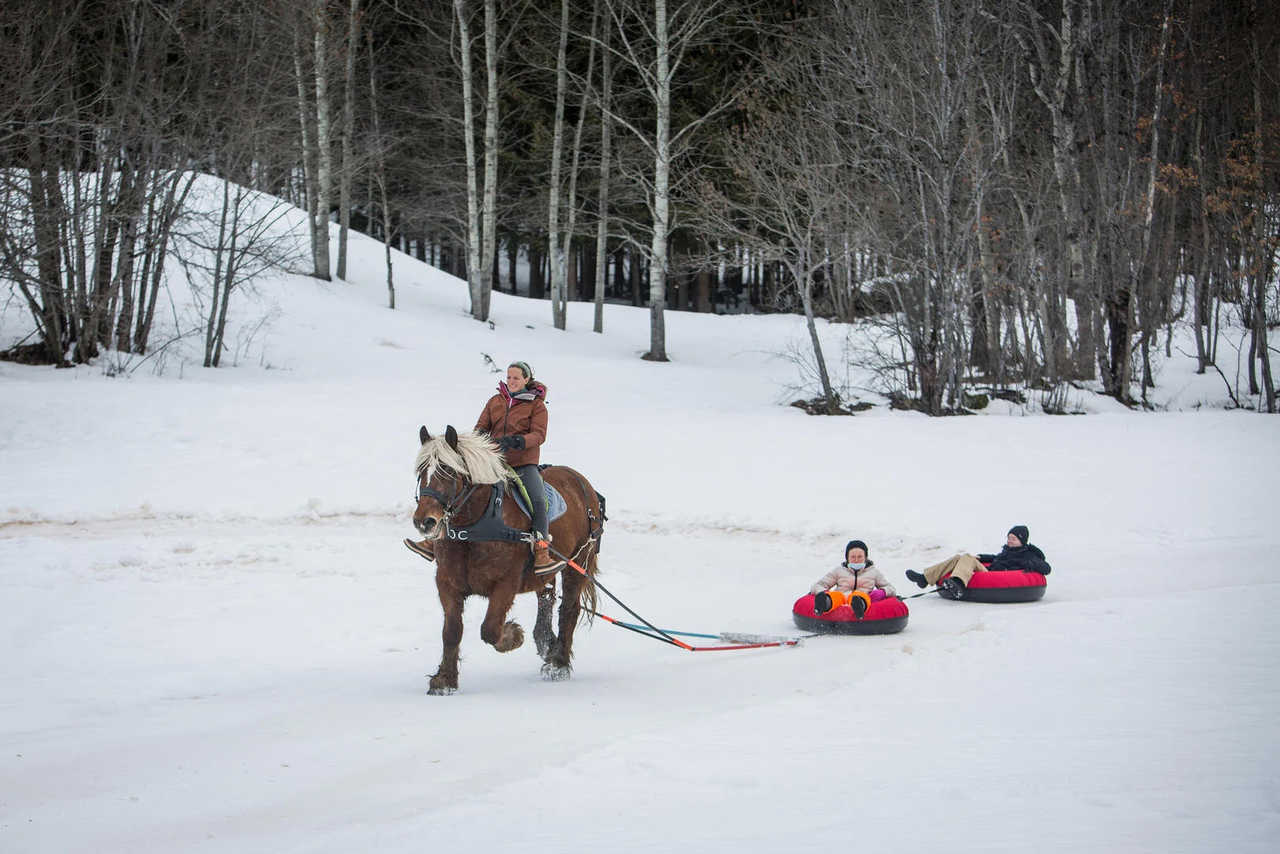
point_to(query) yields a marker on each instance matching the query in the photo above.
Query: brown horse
(457, 476)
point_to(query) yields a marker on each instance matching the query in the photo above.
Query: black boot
(951, 588)
(912, 575)
(859, 606)
(822, 603)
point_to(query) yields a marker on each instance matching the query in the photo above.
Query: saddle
(556, 505)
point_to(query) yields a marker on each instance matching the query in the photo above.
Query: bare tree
(489, 207)
(481, 228)
(380, 172)
(789, 179)
(606, 152)
(324, 132)
(654, 42)
(558, 295)
(310, 153)
(348, 133)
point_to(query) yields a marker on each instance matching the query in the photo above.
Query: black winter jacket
(1027, 558)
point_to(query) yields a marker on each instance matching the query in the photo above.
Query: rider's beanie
(1021, 532)
(856, 544)
(524, 369)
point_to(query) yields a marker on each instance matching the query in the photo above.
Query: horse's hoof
(512, 638)
(441, 687)
(556, 672)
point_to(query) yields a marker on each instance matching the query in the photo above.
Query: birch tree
(661, 91)
(558, 295)
(348, 133)
(655, 43)
(324, 143)
(310, 156)
(489, 207)
(481, 235)
(380, 172)
(606, 152)
(474, 279)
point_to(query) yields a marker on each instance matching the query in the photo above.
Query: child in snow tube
(856, 582)
(1017, 554)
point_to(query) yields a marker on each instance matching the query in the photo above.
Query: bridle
(461, 491)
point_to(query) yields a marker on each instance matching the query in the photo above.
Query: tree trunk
(553, 203)
(229, 279)
(381, 177)
(124, 276)
(218, 258)
(637, 293)
(348, 134)
(474, 277)
(324, 171)
(661, 192)
(606, 152)
(537, 284)
(1263, 250)
(489, 206)
(513, 256)
(309, 154)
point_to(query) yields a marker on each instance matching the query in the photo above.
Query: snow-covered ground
(215, 642)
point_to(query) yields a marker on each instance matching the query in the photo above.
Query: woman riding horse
(516, 418)
(479, 549)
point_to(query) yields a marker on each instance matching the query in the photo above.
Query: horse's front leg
(504, 635)
(445, 680)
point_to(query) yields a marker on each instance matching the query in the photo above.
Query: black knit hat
(858, 544)
(1021, 532)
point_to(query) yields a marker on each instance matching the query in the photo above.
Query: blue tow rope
(638, 627)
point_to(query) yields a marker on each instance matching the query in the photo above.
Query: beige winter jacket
(842, 578)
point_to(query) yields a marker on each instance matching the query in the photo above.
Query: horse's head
(449, 468)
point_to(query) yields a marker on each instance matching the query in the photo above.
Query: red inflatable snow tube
(882, 618)
(1012, 586)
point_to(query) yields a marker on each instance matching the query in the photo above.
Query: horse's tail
(588, 597)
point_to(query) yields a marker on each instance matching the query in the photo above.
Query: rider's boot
(425, 549)
(543, 562)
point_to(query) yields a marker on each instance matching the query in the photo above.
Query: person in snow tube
(1017, 554)
(516, 419)
(856, 582)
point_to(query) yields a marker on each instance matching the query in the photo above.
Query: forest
(1006, 193)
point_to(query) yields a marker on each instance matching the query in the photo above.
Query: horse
(461, 484)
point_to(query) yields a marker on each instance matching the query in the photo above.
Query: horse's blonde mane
(477, 458)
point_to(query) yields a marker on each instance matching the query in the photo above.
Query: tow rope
(670, 636)
(918, 595)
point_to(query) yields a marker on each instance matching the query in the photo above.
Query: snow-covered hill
(216, 642)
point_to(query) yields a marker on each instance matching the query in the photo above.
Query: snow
(217, 643)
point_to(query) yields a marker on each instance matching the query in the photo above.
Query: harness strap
(489, 528)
